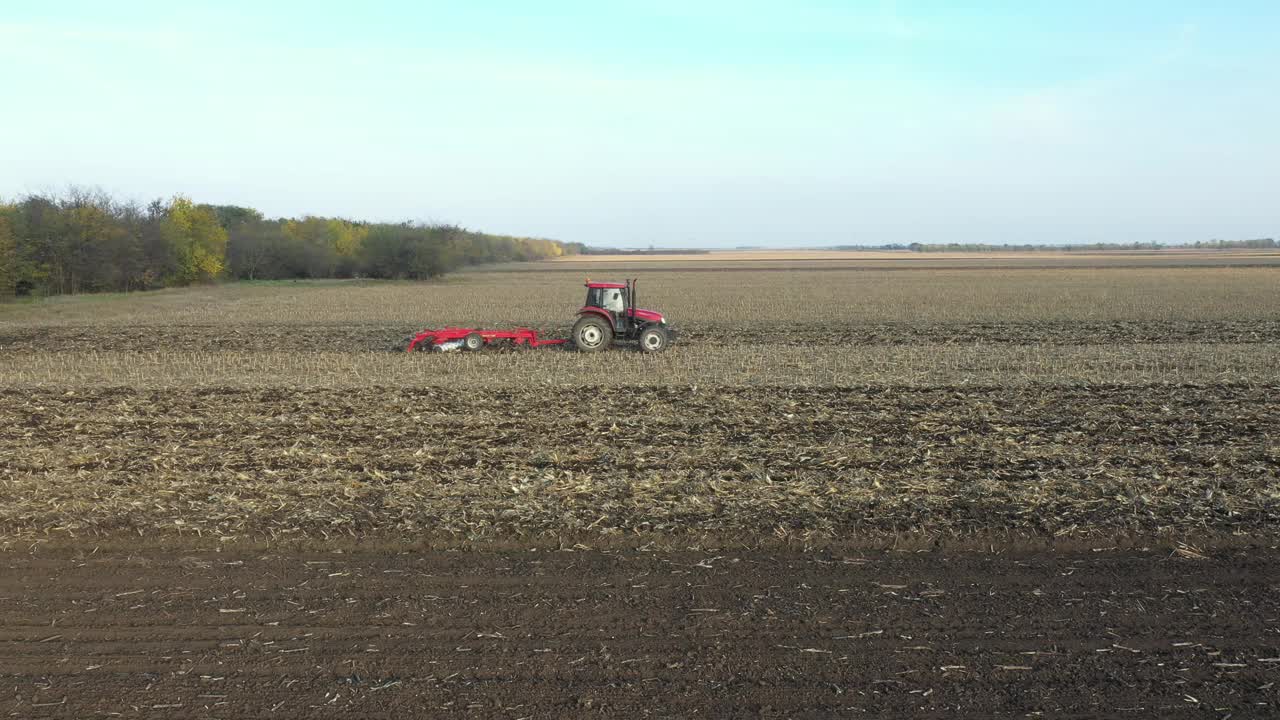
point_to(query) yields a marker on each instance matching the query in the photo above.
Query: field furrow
(641, 462)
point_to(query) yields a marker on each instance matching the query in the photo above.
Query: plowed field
(636, 634)
(886, 490)
(698, 334)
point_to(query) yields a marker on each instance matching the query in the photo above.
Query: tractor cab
(612, 298)
(610, 313)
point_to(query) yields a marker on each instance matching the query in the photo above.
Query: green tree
(9, 272)
(232, 216)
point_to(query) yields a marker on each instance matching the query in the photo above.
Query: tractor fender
(588, 310)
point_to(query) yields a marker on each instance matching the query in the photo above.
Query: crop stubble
(826, 404)
(640, 463)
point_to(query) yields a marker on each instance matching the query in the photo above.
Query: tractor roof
(605, 285)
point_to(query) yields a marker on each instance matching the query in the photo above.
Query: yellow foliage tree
(198, 242)
(347, 238)
(340, 236)
(309, 229)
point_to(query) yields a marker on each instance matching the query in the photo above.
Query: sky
(673, 123)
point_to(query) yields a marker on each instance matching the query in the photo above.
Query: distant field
(900, 260)
(833, 300)
(854, 256)
(838, 401)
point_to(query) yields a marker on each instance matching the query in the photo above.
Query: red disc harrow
(455, 338)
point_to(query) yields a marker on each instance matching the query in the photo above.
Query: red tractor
(610, 314)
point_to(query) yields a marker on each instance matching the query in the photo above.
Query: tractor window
(611, 299)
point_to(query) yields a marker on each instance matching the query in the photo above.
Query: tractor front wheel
(591, 334)
(654, 339)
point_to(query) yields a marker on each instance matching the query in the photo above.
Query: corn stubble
(826, 405)
(808, 463)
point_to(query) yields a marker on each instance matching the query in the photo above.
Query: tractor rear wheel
(654, 339)
(591, 334)
(473, 342)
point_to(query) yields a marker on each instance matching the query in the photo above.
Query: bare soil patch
(635, 634)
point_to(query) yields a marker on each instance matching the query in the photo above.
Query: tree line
(87, 241)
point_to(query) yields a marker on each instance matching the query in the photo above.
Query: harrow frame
(518, 337)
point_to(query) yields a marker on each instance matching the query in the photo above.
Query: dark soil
(634, 634)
